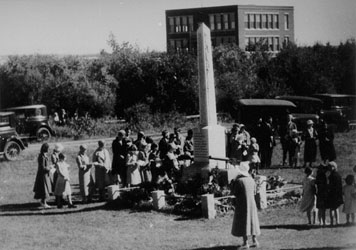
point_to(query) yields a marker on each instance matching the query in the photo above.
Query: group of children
(326, 191)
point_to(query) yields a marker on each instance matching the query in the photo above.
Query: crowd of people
(326, 191)
(133, 162)
(257, 146)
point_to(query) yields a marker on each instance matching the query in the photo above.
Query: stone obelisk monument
(209, 137)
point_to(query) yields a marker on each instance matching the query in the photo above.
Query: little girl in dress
(253, 155)
(308, 202)
(349, 193)
(62, 184)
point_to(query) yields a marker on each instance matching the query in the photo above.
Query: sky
(81, 27)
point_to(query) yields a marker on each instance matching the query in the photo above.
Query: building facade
(244, 25)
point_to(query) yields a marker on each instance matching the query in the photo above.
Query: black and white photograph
(188, 125)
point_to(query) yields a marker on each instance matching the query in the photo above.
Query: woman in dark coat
(326, 143)
(43, 185)
(245, 221)
(335, 196)
(321, 192)
(310, 136)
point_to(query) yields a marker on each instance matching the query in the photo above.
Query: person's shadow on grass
(217, 248)
(33, 208)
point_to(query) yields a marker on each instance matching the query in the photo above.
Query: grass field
(95, 226)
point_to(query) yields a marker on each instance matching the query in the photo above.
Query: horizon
(83, 27)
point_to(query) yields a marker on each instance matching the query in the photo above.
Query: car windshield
(4, 121)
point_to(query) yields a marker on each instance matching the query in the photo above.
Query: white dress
(308, 202)
(349, 201)
(62, 184)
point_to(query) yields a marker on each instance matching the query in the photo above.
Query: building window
(218, 21)
(177, 24)
(191, 24)
(268, 43)
(286, 41)
(246, 17)
(184, 24)
(252, 21)
(232, 20)
(222, 21)
(180, 24)
(270, 21)
(286, 21)
(275, 21)
(258, 21)
(171, 25)
(178, 45)
(276, 43)
(261, 21)
(226, 21)
(264, 21)
(212, 22)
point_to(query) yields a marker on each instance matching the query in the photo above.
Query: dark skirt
(310, 150)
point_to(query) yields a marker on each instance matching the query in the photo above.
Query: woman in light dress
(134, 161)
(245, 221)
(308, 202)
(84, 174)
(62, 185)
(102, 163)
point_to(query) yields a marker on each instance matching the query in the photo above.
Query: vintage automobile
(32, 122)
(11, 144)
(249, 111)
(338, 110)
(307, 108)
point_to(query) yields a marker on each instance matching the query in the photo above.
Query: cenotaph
(209, 137)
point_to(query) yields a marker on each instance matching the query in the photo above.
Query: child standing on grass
(253, 151)
(308, 202)
(62, 185)
(349, 193)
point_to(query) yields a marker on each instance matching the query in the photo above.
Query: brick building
(244, 25)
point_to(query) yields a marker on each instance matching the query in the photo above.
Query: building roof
(333, 95)
(265, 102)
(298, 98)
(27, 107)
(6, 113)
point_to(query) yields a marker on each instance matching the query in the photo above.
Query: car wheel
(43, 134)
(12, 150)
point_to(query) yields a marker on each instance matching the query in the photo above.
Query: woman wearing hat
(326, 143)
(85, 179)
(245, 221)
(58, 148)
(43, 186)
(102, 163)
(310, 136)
(335, 198)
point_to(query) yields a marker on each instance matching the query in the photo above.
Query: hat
(58, 147)
(310, 122)
(83, 146)
(244, 167)
(121, 132)
(242, 126)
(253, 140)
(332, 165)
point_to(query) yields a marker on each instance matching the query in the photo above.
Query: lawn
(96, 226)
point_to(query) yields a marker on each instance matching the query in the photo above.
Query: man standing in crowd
(267, 142)
(119, 149)
(163, 144)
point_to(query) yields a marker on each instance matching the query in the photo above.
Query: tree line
(128, 81)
